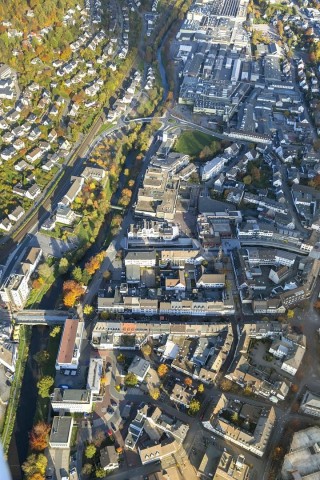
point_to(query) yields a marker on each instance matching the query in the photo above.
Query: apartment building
(70, 345)
(72, 400)
(61, 430)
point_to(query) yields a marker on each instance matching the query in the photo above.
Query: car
(113, 402)
(113, 427)
(73, 470)
(110, 409)
(64, 387)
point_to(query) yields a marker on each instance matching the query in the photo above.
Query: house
(34, 155)
(5, 225)
(33, 192)
(31, 260)
(70, 344)
(176, 284)
(61, 430)
(20, 166)
(139, 367)
(8, 153)
(16, 214)
(72, 400)
(65, 215)
(109, 459)
(74, 190)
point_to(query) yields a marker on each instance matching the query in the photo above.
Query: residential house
(109, 459)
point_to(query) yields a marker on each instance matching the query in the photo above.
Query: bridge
(41, 317)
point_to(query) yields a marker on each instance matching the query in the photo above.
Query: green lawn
(191, 142)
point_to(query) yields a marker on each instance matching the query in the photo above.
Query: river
(18, 449)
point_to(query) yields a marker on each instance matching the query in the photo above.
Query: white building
(139, 367)
(61, 431)
(15, 291)
(71, 400)
(213, 168)
(94, 375)
(142, 259)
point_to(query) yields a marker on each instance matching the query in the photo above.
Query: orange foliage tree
(38, 437)
(72, 291)
(94, 263)
(188, 381)
(163, 370)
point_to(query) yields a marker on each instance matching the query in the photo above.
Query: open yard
(192, 142)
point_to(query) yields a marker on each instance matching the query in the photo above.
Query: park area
(197, 144)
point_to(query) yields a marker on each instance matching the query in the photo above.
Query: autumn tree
(55, 331)
(226, 385)
(36, 476)
(194, 406)
(200, 388)
(38, 438)
(146, 350)
(90, 451)
(72, 291)
(188, 381)
(45, 271)
(44, 385)
(35, 463)
(154, 393)
(130, 380)
(162, 370)
(88, 309)
(41, 357)
(87, 469)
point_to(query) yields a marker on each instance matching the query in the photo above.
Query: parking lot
(52, 246)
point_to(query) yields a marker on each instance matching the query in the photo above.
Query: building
(251, 432)
(15, 291)
(141, 259)
(8, 355)
(71, 400)
(16, 214)
(94, 375)
(61, 431)
(92, 173)
(158, 452)
(303, 459)
(139, 367)
(109, 459)
(211, 280)
(70, 344)
(213, 168)
(182, 395)
(231, 468)
(310, 404)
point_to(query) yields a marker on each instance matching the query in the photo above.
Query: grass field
(191, 142)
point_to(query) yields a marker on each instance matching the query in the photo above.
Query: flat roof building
(61, 430)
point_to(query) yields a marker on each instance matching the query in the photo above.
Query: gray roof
(60, 430)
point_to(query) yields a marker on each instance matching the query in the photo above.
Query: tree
(163, 369)
(201, 388)
(45, 271)
(194, 406)
(36, 476)
(35, 463)
(87, 469)
(72, 292)
(63, 266)
(146, 350)
(247, 180)
(277, 453)
(100, 473)
(226, 385)
(121, 358)
(290, 314)
(99, 438)
(90, 450)
(55, 331)
(76, 274)
(38, 438)
(130, 380)
(87, 309)
(41, 357)
(154, 393)
(188, 381)
(44, 385)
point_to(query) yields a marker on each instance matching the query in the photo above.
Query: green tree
(77, 274)
(121, 358)
(130, 380)
(100, 473)
(90, 451)
(63, 265)
(44, 385)
(194, 406)
(55, 331)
